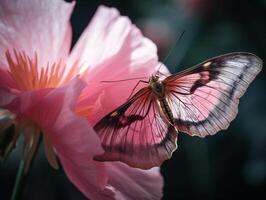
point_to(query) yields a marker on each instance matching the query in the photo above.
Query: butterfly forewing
(204, 99)
(136, 134)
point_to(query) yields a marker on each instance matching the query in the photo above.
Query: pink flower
(51, 90)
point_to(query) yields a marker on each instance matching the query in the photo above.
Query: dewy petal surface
(35, 26)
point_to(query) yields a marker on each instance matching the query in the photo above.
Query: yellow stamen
(28, 75)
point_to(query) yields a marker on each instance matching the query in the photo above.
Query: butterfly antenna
(171, 50)
(129, 79)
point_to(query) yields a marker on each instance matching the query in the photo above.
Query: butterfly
(199, 101)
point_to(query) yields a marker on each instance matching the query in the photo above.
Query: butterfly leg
(140, 81)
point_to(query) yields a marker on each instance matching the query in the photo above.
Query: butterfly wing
(136, 134)
(204, 99)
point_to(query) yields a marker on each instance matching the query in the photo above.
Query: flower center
(28, 75)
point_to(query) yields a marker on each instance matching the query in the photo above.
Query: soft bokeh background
(229, 165)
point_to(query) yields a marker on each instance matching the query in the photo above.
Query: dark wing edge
(205, 98)
(135, 133)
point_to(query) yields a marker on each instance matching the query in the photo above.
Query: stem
(18, 182)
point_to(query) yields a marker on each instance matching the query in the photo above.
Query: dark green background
(229, 165)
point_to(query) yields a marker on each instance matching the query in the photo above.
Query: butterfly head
(154, 78)
(156, 85)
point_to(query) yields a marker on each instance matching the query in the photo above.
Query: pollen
(28, 75)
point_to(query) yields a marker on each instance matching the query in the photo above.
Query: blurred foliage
(231, 164)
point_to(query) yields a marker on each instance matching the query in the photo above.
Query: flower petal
(76, 143)
(132, 183)
(85, 177)
(114, 49)
(112, 39)
(35, 26)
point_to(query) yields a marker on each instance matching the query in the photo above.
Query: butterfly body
(199, 101)
(158, 89)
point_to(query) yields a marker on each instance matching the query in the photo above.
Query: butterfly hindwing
(136, 134)
(204, 99)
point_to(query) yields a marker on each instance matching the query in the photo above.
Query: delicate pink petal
(76, 143)
(114, 49)
(112, 39)
(85, 177)
(131, 183)
(124, 182)
(35, 26)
